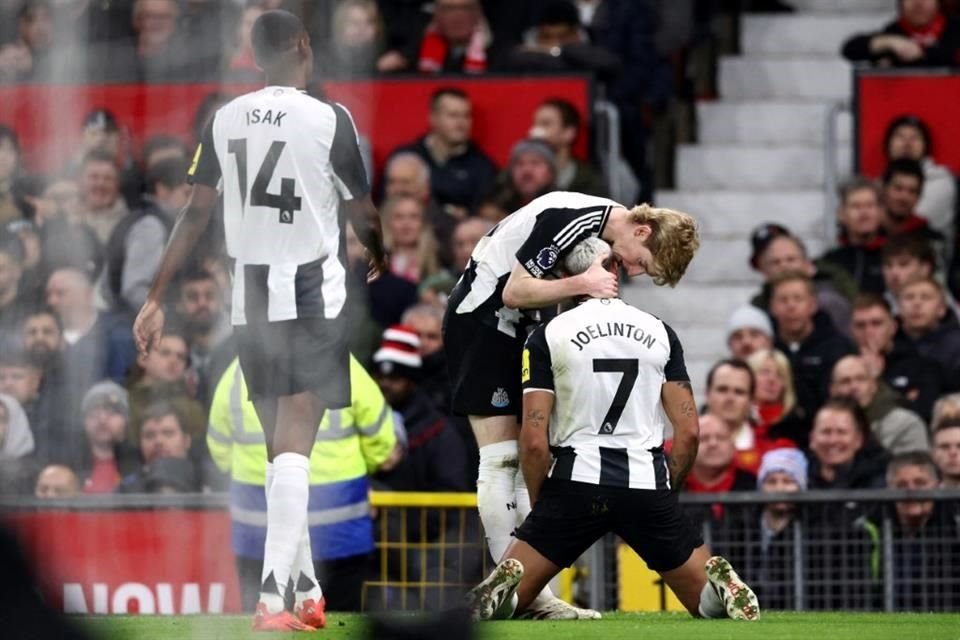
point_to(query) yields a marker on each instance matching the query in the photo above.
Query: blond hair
(427, 245)
(673, 242)
(761, 356)
(946, 408)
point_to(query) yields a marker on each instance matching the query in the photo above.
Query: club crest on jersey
(500, 398)
(548, 257)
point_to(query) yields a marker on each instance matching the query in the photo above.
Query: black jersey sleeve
(537, 368)
(205, 168)
(555, 233)
(346, 158)
(676, 369)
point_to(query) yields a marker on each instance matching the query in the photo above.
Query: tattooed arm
(680, 407)
(535, 458)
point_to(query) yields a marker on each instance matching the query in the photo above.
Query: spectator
(925, 552)
(16, 438)
(427, 322)
(779, 421)
(558, 43)
(902, 188)
(136, 243)
(106, 456)
(32, 277)
(436, 455)
(209, 334)
(530, 173)
(17, 447)
(98, 345)
(12, 308)
(810, 342)
(861, 236)
(557, 122)
(842, 453)
(28, 58)
(409, 239)
(492, 209)
(908, 136)
(164, 449)
(466, 236)
(42, 340)
(776, 252)
(897, 430)
(163, 379)
(102, 207)
(906, 258)
(407, 174)
(102, 133)
(770, 562)
(921, 36)
(460, 173)
(927, 323)
(946, 408)
(749, 330)
(57, 481)
(11, 207)
(357, 42)
(162, 147)
(916, 379)
(457, 40)
(946, 452)
(241, 67)
(22, 379)
(157, 53)
(64, 240)
(715, 469)
(730, 389)
(361, 441)
(372, 305)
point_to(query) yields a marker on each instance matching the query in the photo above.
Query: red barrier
(881, 97)
(389, 112)
(169, 561)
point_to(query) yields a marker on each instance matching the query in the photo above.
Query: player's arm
(535, 457)
(538, 398)
(676, 395)
(536, 280)
(366, 224)
(678, 404)
(204, 174)
(354, 188)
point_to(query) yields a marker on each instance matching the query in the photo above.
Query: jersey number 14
(285, 202)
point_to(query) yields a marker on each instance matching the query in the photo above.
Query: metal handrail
(830, 170)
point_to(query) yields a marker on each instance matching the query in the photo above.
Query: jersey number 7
(629, 369)
(285, 202)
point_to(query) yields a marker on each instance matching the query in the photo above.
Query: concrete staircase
(760, 158)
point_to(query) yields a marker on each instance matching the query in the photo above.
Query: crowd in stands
(844, 370)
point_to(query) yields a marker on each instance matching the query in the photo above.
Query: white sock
(711, 605)
(523, 510)
(305, 585)
(496, 494)
(269, 479)
(286, 519)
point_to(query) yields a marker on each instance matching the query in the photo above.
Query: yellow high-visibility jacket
(351, 444)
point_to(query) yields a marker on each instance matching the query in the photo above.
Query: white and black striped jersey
(539, 236)
(606, 363)
(284, 161)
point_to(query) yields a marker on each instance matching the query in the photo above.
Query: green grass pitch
(657, 626)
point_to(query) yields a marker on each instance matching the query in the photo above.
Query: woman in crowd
(413, 247)
(778, 421)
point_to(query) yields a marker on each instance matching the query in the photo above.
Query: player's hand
(148, 327)
(598, 282)
(378, 268)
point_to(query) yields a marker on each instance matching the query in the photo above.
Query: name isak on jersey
(258, 116)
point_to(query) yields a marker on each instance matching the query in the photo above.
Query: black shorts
(569, 517)
(483, 365)
(294, 356)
